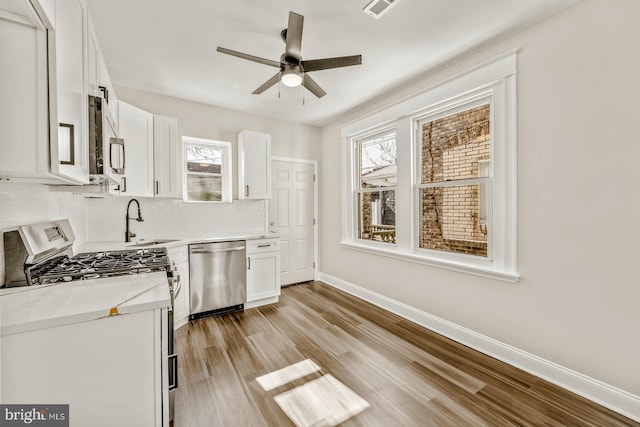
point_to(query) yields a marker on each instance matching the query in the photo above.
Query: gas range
(94, 265)
(40, 254)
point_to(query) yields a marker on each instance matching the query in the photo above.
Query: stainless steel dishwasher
(217, 277)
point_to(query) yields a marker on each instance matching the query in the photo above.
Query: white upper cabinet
(166, 157)
(98, 80)
(71, 30)
(136, 128)
(28, 105)
(254, 165)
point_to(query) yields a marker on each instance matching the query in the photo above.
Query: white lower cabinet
(110, 371)
(263, 272)
(180, 257)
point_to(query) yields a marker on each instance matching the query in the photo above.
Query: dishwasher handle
(214, 251)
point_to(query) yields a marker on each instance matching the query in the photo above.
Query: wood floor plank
(410, 376)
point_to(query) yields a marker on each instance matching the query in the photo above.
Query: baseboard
(606, 395)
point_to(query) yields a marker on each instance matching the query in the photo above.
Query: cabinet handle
(173, 381)
(123, 184)
(105, 93)
(248, 263)
(215, 251)
(157, 184)
(246, 191)
(265, 245)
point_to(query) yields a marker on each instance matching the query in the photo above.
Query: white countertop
(171, 242)
(37, 307)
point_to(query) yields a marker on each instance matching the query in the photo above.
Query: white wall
(576, 303)
(172, 218)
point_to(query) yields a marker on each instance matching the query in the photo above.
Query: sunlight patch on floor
(286, 375)
(324, 401)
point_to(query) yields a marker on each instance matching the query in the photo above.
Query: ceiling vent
(377, 8)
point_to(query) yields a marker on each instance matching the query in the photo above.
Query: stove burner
(93, 265)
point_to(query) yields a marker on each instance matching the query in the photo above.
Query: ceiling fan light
(291, 78)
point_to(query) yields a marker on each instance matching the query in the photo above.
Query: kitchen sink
(152, 242)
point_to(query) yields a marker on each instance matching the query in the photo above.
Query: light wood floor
(410, 376)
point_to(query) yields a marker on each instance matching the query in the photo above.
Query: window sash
(223, 176)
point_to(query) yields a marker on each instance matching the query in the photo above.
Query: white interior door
(291, 216)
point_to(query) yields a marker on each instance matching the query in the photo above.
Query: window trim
(497, 77)
(226, 174)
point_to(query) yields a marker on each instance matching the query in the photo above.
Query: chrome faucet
(128, 234)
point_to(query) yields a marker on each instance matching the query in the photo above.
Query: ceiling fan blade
(328, 63)
(249, 57)
(293, 50)
(266, 85)
(312, 86)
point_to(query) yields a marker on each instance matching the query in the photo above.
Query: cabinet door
(166, 158)
(93, 62)
(262, 276)
(24, 133)
(117, 375)
(254, 165)
(136, 128)
(105, 88)
(28, 104)
(71, 30)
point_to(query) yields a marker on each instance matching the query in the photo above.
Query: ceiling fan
(293, 70)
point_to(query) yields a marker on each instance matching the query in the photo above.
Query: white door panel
(291, 213)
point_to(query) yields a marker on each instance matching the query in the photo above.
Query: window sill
(462, 267)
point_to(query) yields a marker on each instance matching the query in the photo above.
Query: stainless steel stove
(40, 254)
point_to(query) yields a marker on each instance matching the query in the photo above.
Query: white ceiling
(169, 46)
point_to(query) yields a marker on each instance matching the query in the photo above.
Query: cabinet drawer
(263, 245)
(178, 254)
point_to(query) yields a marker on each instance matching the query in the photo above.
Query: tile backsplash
(103, 219)
(172, 218)
(30, 203)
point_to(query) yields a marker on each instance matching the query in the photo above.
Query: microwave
(106, 149)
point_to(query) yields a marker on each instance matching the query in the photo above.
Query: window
(207, 170)
(375, 193)
(455, 152)
(432, 179)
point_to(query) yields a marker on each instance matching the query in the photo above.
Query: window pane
(378, 162)
(453, 146)
(204, 159)
(204, 188)
(377, 216)
(450, 220)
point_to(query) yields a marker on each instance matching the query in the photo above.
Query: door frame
(315, 206)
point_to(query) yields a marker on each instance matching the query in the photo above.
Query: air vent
(377, 8)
